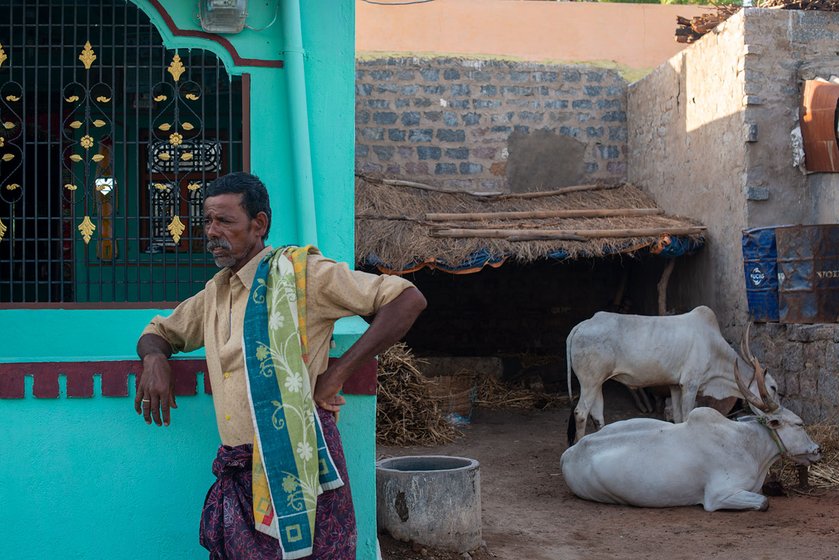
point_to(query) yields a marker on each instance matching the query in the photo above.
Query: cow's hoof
(765, 505)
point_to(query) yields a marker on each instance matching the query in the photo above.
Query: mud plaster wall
(686, 145)
(490, 125)
(709, 137)
(784, 48)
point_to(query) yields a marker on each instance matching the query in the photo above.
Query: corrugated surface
(808, 263)
(818, 125)
(761, 273)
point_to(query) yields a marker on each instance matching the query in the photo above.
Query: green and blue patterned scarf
(291, 464)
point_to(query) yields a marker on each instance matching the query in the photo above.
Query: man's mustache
(218, 244)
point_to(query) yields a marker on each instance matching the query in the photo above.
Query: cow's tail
(572, 421)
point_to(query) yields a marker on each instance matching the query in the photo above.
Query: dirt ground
(529, 513)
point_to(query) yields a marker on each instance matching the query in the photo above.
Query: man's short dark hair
(253, 191)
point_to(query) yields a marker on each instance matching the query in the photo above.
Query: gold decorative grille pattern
(107, 140)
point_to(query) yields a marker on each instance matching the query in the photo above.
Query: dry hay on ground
(823, 475)
(406, 413)
(391, 224)
(493, 393)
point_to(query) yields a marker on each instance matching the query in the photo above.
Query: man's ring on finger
(146, 400)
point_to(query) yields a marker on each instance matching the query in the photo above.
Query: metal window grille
(107, 142)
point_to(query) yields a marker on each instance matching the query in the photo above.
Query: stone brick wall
(687, 146)
(489, 125)
(804, 360)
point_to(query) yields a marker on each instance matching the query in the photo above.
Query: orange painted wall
(637, 36)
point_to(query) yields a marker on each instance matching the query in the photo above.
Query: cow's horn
(747, 393)
(759, 373)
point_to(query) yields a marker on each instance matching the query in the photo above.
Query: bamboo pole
(424, 187)
(580, 213)
(563, 190)
(563, 234)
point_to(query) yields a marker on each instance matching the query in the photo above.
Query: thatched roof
(398, 228)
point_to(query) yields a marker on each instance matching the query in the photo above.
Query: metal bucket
(432, 500)
(808, 265)
(761, 273)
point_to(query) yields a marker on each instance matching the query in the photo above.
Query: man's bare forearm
(153, 344)
(390, 324)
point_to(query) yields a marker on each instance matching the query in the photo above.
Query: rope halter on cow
(776, 437)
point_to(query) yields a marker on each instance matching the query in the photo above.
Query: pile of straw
(393, 224)
(492, 393)
(406, 413)
(823, 475)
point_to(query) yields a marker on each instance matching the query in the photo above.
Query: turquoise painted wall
(86, 478)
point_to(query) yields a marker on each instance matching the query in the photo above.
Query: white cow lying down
(708, 460)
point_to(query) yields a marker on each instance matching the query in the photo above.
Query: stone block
(459, 103)
(470, 168)
(362, 117)
(484, 152)
(385, 117)
(569, 131)
(370, 167)
(393, 169)
(433, 90)
(410, 89)
(449, 135)
(810, 333)
(555, 104)
(384, 153)
(416, 168)
(793, 357)
(422, 102)
(545, 76)
(381, 75)
(460, 90)
(387, 88)
(569, 75)
(592, 167)
(373, 134)
(594, 76)
(617, 134)
(402, 103)
(361, 150)
(378, 103)
(410, 118)
(451, 74)
(421, 135)
(445, 169)
(531, 116)
(608, 152)
(396, 135)
(406, 75)
(429, 152)
(608, 104)
(581, 104)
(450, 119)
(808, 383)
(593, 91)
(471, 119)
(485, 103)
(519, 76)
(363, 90)
(521, 129)
(594, 131)
(457, 153)
(614, 116)
(430, 74)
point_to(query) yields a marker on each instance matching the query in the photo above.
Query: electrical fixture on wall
(222, 16)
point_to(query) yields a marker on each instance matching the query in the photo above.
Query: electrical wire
(398, 3)
(273, 21)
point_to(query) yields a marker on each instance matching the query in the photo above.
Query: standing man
(266, 323)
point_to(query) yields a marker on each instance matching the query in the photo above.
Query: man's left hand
(326, 391)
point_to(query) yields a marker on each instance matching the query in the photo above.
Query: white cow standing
(685, 352)
(708, 459)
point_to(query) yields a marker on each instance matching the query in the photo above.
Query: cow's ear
(774, 423)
